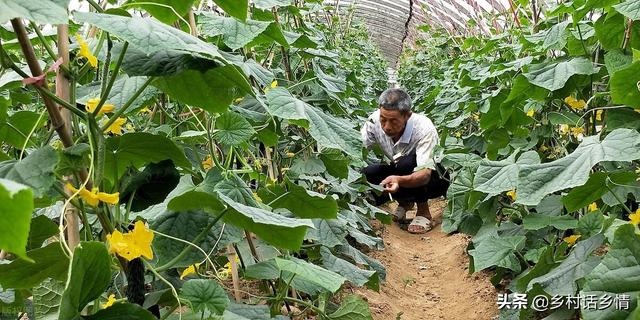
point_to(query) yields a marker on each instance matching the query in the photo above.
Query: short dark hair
(395, 99)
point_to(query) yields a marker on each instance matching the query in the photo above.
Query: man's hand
(391, 184)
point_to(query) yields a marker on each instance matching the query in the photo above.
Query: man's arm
(416, 179)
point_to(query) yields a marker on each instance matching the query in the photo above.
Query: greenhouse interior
(320, 159)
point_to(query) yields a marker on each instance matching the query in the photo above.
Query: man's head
(395, 111)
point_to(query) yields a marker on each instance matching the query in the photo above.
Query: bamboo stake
(231, 255)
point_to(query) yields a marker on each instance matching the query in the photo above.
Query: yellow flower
(458, 134)
(189, 270)
(512, 195)
(110, 301)
(592, 207)
(130, 128)
(290, 154)
(94, 197)
(577, 132)
(476, 116)
(274, 84)
(531, 112)
(132, 244)
(599, 115)
(575, 104)
(634, 218)
(93, 103)
(571, 240)
(225, 272)
(543, 148)
(236, 101)
(116, 126)
(257, 197)
(85, 52)
(207, 163)
(144, 110)
(563, 129)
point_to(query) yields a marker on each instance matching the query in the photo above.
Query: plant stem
(127, 104)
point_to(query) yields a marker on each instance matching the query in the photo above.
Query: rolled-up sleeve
(424, 149)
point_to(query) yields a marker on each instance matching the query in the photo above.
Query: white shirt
(419, 134)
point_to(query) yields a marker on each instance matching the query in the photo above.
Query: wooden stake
(231, 255)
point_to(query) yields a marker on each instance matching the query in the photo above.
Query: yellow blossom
(476, 116)
(130, 128)
(598, 115)
(207, 163)
(274, 84)
(577, 132)
(189, 270)
(144, 110)
(225, 272)
(458, 134)
(543, 148)
(236, 101)
(575, 104)
(257, 197)
(132, 244)
(85, 52)
(110, 301)
(93, 103)
(592, 207)
(290, 154)
(531, 112)
(94, 197)
(634, 218)
(563, 129)
(116, 126)
(571, 240)
(512, 195)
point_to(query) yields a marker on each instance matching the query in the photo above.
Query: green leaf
(139, 148)
(233, 129)
(616, 60)
(616, 274)
(89, 277)
(122, 311)
(353, 274)
(629, 8)
(553, 75)
(327, 130)
(353, 307)
(205, 295)
(149, 187)
(498, 252)
(15, 129)
(158, 8)
(149, 35)
(42, 228)
(46, 298)
(216, 87)
(536, 181)
(42, 11)
(623, 118)
(48, 262)
(35, 171)
(329, 233)
(237, 34)
(235, 8)
(556, 37)
(16, 205)
(623, 84)
(273, 228)
(304, 203)
(187, 225)
(562, 279)
(298, 270)
(590, 224)
(535, 221)
(582, 196)
(269, 4)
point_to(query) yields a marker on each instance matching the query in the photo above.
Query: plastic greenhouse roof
(394, 23)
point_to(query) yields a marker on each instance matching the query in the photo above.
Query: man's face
(393, 122)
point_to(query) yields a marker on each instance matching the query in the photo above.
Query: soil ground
(428, 277)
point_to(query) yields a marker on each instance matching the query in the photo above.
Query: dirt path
(428, 278)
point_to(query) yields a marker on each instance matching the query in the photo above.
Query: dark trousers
(436, 187)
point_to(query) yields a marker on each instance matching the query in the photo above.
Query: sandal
(400, 214)
(419, 221)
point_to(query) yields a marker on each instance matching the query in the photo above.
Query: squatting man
(407, 139)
